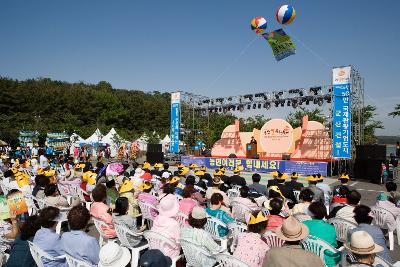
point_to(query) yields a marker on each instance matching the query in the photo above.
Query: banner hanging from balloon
(281, 44)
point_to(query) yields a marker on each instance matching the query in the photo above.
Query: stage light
(288, 103)
(315, 101)
(315, 90)
(259, 105)
(220, 100)
(241, 108)
(212, 102)
(276, 103)
(307, 102)
(267, 105)
(282, 103)
(216, 109)
(295, 104)
(229, 98)
(233, 108)
(220, 109)
(254, 106)
(206, 101)
(320, 102)
(250, 97)
(248, 107)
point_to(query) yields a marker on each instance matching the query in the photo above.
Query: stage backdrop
(259, 165)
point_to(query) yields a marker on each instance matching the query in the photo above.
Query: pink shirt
(99, 210)
(251, 249)
(186, 205)
(169, 228)
(274, 221)
(149, 198)
(245, 201)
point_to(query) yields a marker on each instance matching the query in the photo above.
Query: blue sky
(200, 46)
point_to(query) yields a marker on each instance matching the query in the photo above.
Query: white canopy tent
(113, 139)
(94, 139)
(142, 142)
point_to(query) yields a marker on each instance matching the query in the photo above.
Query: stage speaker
(232, 156)
(155, 157)
(154, 148)
(377, 152)
(285, 156)
(368, 169)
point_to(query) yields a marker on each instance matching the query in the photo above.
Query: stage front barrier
(260, 165)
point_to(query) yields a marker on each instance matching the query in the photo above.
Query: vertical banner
(175, 122)
(341, 85)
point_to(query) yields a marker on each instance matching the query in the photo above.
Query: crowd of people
(115, 194)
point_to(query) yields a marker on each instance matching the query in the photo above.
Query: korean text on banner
(341, 143)
(175, 121)
(281, 44)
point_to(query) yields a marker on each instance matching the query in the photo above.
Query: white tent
(111, 139)
(142, 142)
(165, 143)
(94, 139)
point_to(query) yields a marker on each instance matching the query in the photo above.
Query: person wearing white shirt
(43, 162)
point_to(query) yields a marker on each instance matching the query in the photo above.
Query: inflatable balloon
(285, 14)
(258, 25)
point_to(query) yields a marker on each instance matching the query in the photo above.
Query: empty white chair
(227, 260)
(148, 211)
(236, 228)
(232, 193)
(158, 241)
(317, 246)
(38, 254)
(194, 254)
(74, 262)
(200, 189)
(80, 193)
(381, 217)
(123, 233)
(272, 240)
(212, 226)
(240, 211)
(342, 228)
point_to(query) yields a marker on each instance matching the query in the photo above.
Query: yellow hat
(344, 176)
(203, 168)
(173, 180)
(238, 169)
(146, 165)
(27, 163)
(276, 189)
(281, 176)
(91, 179)
(183, 171)
(217, 173)
(40, 171)
(295, 175)
(180, 166)
(49, 173)
(199, 173)
(22, 179)
(126, 186)
(274, 174)
(14, 170)
(158, 165)
(193, 166)
(312, 178)
(320, 177)
(16, 162)
(222, 169)
(145, 186)
(260, 218)
(79, 166)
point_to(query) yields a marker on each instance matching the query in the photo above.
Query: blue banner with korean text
(259, 165)
(175, 122)
(341, 131)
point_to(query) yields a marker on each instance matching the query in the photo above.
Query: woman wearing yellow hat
(312, 185)
(127, 190)
(236, 179)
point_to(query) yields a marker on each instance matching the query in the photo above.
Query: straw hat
(217, 180)
(203, 168)
(292, 230)
(113, 255)
(169, 206)
(199, 213)
(362, 243)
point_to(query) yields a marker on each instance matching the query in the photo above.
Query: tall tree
(396, 111)
(370, 125)
(296, 118)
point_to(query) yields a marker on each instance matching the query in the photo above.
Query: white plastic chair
(74, 262)
(232, 193)
(398, 229)
(158, 241)
(239, 211)
(317, 246)
(212, 226)
(193, 253)
(301, 217)
(381, 216)
(272, 240)
(297, 194)
(381, 262)
(4, 187)
(182, 218)
(147, 211)
(236, 228)
(99, 224)
(122, 233)
(38, 254)
(227, 260)
(236, 187)
(76, 191)
(200, 189)
(342, 228)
